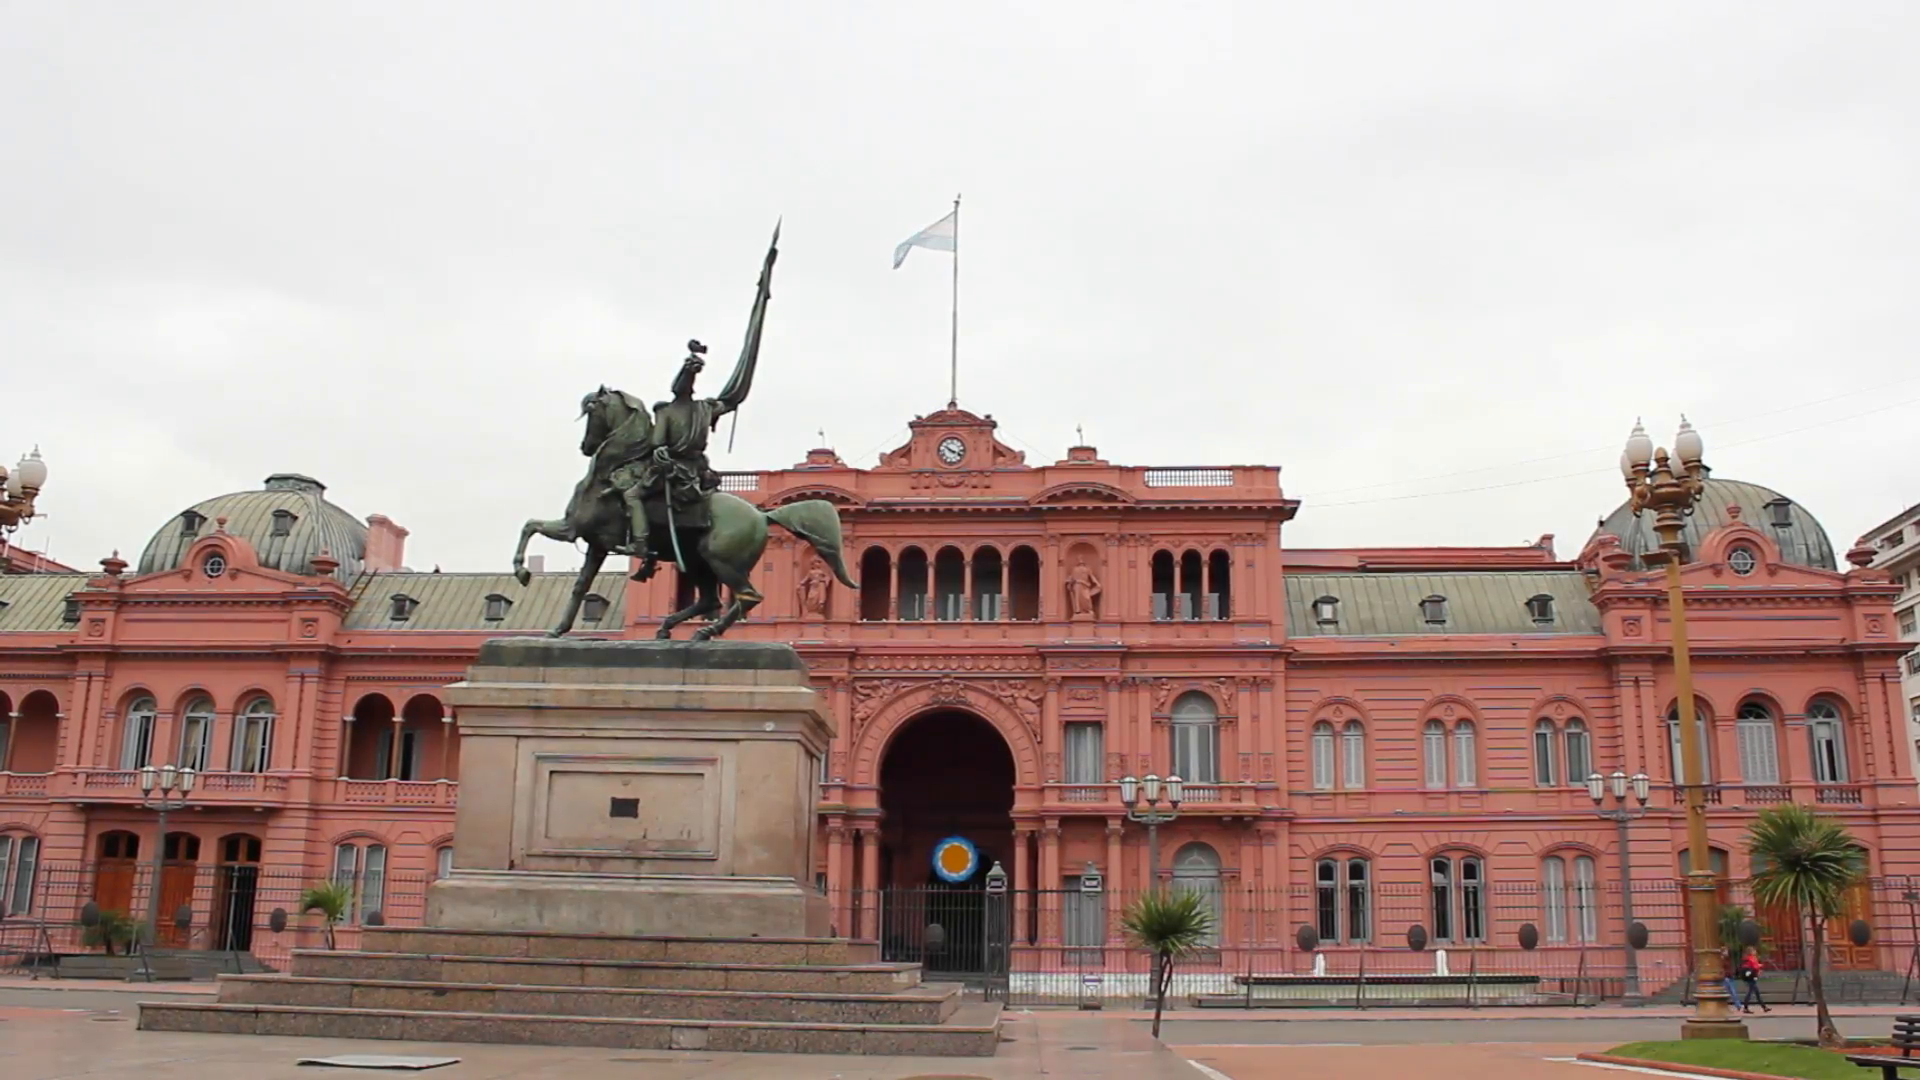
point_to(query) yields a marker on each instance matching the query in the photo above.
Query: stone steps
(972, 1031)
(923, 1005)
(685, 950)
(874, 978)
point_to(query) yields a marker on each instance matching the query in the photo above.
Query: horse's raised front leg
(706, 601)
(557, 529)
(588, 571)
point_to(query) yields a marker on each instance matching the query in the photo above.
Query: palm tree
(332, 899)
(1169, 926)
(1807, 862)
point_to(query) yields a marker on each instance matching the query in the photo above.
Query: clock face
(952, 450)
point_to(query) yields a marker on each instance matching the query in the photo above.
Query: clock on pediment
(952, 450)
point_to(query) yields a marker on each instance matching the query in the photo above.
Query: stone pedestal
(636, 788)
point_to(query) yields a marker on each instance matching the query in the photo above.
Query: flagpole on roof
(953, 356)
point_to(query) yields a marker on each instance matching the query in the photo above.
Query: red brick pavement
(1484, 1061)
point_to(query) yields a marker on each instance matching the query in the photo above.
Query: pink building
(1371, 740)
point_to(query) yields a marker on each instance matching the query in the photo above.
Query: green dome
(288, 523)
(1802, 541)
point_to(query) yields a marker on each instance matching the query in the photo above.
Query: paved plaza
(58, 1031)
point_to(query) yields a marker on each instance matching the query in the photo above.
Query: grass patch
(1772, 1059)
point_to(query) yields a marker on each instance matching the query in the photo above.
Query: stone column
(345, 771)
(870, 882)
(893, 596)
(1116, 878)
(393, 750)
(1050, 882)
(837, 894)
(1052, 736)
(1115, 730)
(1022, 884)
(446, 744)
(1051, 597)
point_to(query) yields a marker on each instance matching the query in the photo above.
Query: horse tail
(818, 523)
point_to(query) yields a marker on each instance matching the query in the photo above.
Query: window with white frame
(1083, 915)
(1579, 749)
(443, 862)
(1829, 737)
(1458, 896)
(1568, 899)
(1086, 752)
(136, 743)
(196, 734)
(1909, 622)
(1705, 746)
(1196, 869)
(1757, 737)
(253, 736)
(1553, 897)
(363, 868)
(1343, 899)
(1196, 738)
(1353, 756)
(1433, 754)
(1322, 756)
(1545, 756)
(19, 866)
(1466, 755)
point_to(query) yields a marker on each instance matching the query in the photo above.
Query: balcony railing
(1766, 794)
(26, 785)
(397, 792)
(1194, 795)
(1839, 793)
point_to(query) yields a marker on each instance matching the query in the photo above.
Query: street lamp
(1598, 789)
(20, 487)
(1131, 795)
(163, 789)
(1670, 489)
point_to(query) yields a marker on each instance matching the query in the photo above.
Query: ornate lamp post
(1152, 817)
(1670, 488)
(22, 485)
(163, 789)
(1598, 789)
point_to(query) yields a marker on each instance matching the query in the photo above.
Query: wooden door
(177, 875)
(1782, 931)
(117, 861)
(1842, 954)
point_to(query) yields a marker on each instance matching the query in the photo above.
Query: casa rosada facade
(1370, 739)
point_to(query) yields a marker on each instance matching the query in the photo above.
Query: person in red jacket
(1749, 972)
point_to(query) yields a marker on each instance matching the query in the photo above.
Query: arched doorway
(117, 860)
(236, 890)
(946, 788)
(180, 865)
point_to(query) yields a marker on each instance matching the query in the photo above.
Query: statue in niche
(1083, 588)
(813, 589)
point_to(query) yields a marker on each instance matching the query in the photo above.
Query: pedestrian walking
(1750, 968)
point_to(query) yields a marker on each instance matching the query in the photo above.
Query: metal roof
(316, 525)
(1478, 602)
(31, 603)
(459, 601)
(1803, 542)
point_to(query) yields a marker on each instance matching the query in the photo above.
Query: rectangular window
(196, 736)
(1327, 900)
(252, 743)
(1084, 916)
(1323, 760)
(1086, 753)
(1913, 663)
(1759, 750)
(1555, 895)
(373, 881)
(1909, 623)
(1196, 753)
(137, 753)
(443, 863)
(1359, 903)
(1829, 757)
(1435, 755)
(1465, 761)
(1353, 744)
(26, 861)
(1543, 772)
(1586, 908)
(1473, 901)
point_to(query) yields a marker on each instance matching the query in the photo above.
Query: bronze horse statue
(724, 553)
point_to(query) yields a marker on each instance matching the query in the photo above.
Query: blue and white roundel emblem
(955, 859)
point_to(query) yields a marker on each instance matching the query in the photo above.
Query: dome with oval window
(1802, 540)
(288, 522)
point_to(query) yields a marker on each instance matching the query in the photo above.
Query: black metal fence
(1504, 943)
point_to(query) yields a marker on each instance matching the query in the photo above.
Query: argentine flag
(942, 235)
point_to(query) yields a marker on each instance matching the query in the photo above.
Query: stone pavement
(1471, 1061)
(43, 1041)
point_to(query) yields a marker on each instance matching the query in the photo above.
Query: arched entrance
(180, 866)
(946, 786)
(236, 890)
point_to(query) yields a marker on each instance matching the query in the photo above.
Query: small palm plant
(1807, 862)
(332, 899)
(114, 928)
(1169, 926)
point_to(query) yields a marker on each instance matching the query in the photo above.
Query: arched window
(1433, 741)
(1196, 738)
(1161, 573)
(253, 737)
(1466, 755)
(913, 585)
(196, 734)
(876, 584)
(1343, 899)
(1023, 584)
(19, 866)
(136, 744)
(1553, 896)
(988, 585)
(1586, 906)
(1568, 899)
(1545, 773)
(1829, 737)
(1192, 602)
(1579, 751)
(1219, 585)
(1705, 745)
(1353, 756)
(1323, 756)
(949, 585)
(1457, 885)
(1196, 869)
(1755, 735)
(362, 867)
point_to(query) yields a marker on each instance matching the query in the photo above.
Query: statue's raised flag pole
(942, 235)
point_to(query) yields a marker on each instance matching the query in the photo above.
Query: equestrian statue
(650, 493)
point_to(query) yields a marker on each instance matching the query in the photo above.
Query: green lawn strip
(1770, 1059)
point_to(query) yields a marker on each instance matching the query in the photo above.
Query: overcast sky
(1430, 258)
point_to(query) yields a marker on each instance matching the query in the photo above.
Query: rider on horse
(665, 482)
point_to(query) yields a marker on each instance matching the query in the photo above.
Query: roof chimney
(386, 543)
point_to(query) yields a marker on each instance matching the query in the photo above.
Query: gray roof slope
(32, 603)
(1478, 602)
(459, 601)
